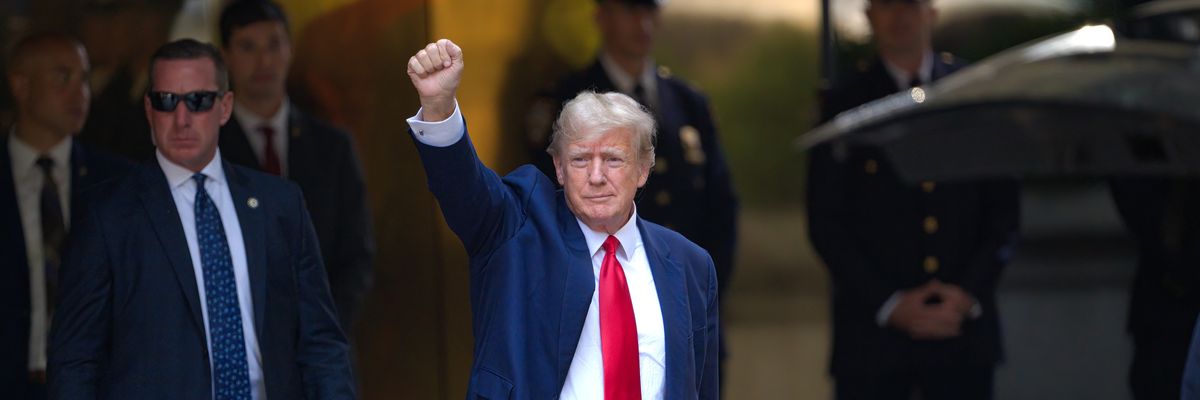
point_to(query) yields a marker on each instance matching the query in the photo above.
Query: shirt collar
(24, 157)
(902, 78)
(177, 175)
(251, 121)
(629, 236)
(622, 80)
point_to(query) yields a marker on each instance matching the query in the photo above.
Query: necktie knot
(46, 164)
(610, 244)
(200, 178)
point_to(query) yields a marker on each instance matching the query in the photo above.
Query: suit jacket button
(871, 167)
(660, 165)
(931, 265)
(663, 198)
(931, 225)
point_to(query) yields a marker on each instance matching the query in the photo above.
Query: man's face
(187, 138)
(901, 25)
(259, 56)
(628, 29)
(600, 177)
(51, 88)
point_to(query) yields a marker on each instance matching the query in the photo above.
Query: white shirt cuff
(441, 133)
(885, 311)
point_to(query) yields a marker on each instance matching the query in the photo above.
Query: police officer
(690, 189)
(914, 266)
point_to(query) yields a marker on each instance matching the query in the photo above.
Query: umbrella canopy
(1081, 103)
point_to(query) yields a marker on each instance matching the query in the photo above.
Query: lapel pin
(252, 202)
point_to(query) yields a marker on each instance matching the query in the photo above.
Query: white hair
(591, 114)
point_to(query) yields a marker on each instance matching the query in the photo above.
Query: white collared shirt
(625, 83)
(28, 179)
(251, 123)
(902, 77)
(183, 190)
(585, 378)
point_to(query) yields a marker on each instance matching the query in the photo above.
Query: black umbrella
(1081, 103)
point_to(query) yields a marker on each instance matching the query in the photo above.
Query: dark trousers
(965, 383)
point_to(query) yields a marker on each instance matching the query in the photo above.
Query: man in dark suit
(914, 267)
(573, 295)
(43, 172)
(1191, 372)
(1162, 216)
(269, 133)
(690, 190)
(192, 278)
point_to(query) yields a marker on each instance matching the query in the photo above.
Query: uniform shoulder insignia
(664, 71)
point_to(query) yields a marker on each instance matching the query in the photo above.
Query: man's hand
(955, 298)
(435, 72)
(923, 321)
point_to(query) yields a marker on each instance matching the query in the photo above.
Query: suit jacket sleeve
(722, 203)
(355, 245)
(79, 335)
(322, 354)
(838, 247)
(478, 207)
(1001, 208)
(710, 383)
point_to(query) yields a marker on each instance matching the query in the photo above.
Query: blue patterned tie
(231, 379)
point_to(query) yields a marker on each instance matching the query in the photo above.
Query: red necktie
(270, 162)
(618, 330)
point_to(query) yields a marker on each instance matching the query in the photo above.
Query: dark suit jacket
(129, 323)
(877, 235)
(322, 161)
(532, 281)
(1191, 373)
(690, 190)
(88, 168)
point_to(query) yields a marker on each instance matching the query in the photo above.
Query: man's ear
(558, 173)
(226, 107)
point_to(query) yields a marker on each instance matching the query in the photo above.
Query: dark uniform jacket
(877, 235)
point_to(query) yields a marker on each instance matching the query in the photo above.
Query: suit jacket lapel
(160, 208)
(78, 179)
(670, 284)
(253, 235)
(578, 288)
(12, 230)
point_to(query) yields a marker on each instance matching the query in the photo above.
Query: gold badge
(693, 152)
(252, 202)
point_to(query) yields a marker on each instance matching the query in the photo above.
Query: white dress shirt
(251, 123)
(28, 179)
(625, 83)
(183, 190)
(585, 378)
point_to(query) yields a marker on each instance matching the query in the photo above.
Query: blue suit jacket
(1191, 373)
(88, 168)
(532, 281)
(129, 324)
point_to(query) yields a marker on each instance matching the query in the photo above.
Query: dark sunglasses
(197, 101)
